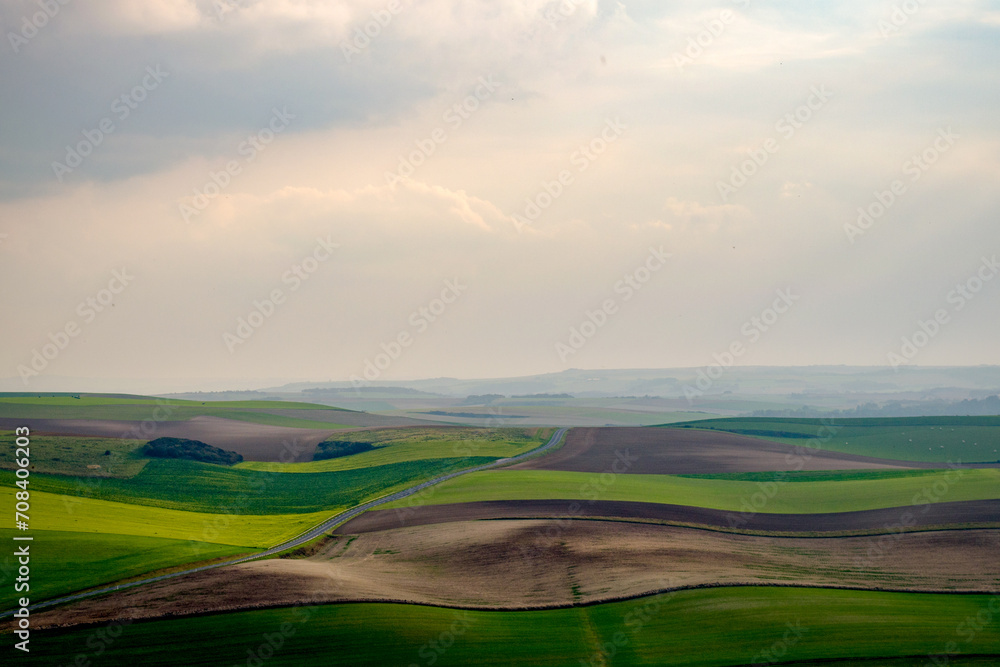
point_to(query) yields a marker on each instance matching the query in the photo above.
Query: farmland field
(88, 515)
(71, 455)
(209, 487)
(75, 561)
(418, 444)
(928, 439)
(691, 451)
(697, 627)
(512, 539)
(146, 408)
(973, 513)
(799, 497)
(531, 563)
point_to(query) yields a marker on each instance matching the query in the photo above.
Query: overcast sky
(507, 166)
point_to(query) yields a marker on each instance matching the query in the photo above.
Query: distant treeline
(333, 449)
(969, 407)
(481, 399)
(347, 391)
(486, 399)
(191, 450)
(542, 396)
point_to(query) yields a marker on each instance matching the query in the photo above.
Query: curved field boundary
(308, 535)
(893, 519)
(685, 627)
(561, 606)
(677, 451)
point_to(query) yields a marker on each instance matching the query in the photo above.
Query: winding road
(308, 535)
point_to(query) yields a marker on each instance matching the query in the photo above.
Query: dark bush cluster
(332, 449)
(192, 450)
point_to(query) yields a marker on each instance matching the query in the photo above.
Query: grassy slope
(702, 627)
(204, 487)
(70, 455)
(799, 497)
(50, 511)
(65, 562)
(87, 400)
(144, 408)
(969, 439)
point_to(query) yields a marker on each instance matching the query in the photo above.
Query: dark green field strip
(912, 661)
(928, 439)
(811, 424)
(706, 627)
(816, 475)
(64, 562)
(203, 487)
(975, 513)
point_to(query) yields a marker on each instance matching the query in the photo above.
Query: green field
(89, 400)
(66, 562)
(813, 475)
(70, 455)
(794, 498)
(941, 439)
(139, 408)
(417, 444)
(134, 514)
(206, 487)
(50, 511)
(709, 627)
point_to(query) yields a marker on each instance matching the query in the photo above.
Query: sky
(241, 191)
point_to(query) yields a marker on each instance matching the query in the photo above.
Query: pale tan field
(536, 563)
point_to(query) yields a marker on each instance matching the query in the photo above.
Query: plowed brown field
(937, 514)
(526, 564)
(677, 451)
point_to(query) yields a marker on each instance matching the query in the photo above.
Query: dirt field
(684, 451)
(523, 564)
(937, 514)
(256, 442)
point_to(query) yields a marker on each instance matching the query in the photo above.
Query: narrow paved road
(309, 534)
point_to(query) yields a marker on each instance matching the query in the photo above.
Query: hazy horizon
(224, 191)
